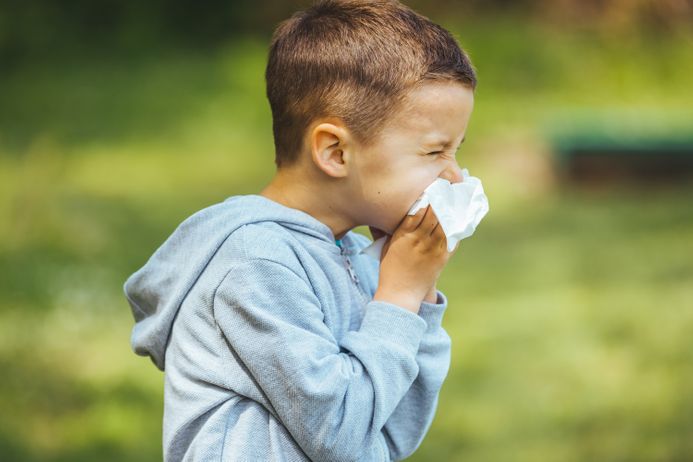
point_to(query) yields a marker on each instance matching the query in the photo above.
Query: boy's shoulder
(265, 240)
(269, 241)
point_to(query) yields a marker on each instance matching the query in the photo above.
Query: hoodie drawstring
(350, 270)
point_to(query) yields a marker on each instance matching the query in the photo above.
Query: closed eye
(442, 152)
(446, 146)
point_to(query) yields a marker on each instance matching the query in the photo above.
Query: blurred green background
(571, 308)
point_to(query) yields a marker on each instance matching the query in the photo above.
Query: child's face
(410, 153)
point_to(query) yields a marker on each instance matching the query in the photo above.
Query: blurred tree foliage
(36, 28)
(31, 29)
(626, 15)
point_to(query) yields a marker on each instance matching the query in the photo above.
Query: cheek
(407, 196)
(415, 179)
(394, 192)
(418, 183)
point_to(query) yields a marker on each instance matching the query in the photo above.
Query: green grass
(570, 308)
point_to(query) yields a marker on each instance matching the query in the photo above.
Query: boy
(279, 339)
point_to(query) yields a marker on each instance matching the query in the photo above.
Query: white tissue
(459, 208)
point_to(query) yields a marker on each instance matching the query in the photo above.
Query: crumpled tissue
(459, 208)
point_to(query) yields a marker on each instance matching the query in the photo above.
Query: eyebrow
(445, 143)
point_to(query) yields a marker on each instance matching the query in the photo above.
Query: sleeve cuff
(394, 324)
(432, 313)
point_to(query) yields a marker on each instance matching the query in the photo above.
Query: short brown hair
(355, 60)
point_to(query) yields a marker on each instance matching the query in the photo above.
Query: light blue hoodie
(273, 347)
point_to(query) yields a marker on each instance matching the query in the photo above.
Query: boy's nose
(453, 173)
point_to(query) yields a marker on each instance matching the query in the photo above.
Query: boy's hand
(412, 260)
(432, 295)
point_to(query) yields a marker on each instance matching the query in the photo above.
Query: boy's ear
(328, 142)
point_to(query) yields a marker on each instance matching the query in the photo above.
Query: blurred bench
(608, 150)
(589, 159)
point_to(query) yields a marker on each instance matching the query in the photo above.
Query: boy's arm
(407, 426)
(333, 397)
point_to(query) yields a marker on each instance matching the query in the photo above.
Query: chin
(390, 226)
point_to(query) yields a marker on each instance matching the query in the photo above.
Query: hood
(156, 291)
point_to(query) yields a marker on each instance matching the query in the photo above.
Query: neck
(312, 195)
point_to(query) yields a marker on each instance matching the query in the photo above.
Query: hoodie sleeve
(407, 426)
(333, 397)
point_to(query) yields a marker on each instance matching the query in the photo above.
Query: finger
(439, 236)
(437, 231)
(443, 245)
(429, 222)
(411, 222)
(425, 223)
